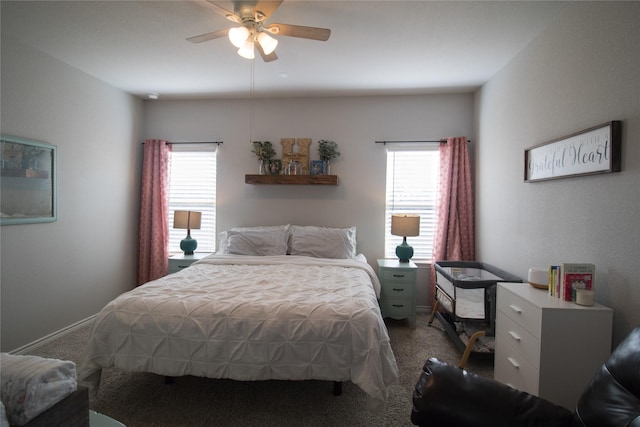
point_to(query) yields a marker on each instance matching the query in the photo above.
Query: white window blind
(193, 188)
(412, 186)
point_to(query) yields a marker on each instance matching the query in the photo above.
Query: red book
(576, 276)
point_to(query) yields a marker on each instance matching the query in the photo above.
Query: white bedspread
(251, 318)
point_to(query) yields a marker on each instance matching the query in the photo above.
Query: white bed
(246, 317)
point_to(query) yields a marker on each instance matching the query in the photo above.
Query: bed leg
(169, 380)
(337, 388)
(433, 312)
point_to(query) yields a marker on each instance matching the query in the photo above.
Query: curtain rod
(196, 142)
(444, 141)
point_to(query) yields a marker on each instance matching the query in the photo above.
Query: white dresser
(548, 347)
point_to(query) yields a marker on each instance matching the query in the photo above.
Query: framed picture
(275, 166)
(316, 167)
(28, 181)
(591, 151)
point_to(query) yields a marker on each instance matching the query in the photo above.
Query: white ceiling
(376, 47)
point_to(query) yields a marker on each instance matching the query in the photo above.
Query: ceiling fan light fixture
(246, 51)
(267, 42)
(238, 36)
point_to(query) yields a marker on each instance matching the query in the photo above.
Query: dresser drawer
(520, 310)
(513, 369)
(398, 275)
(509, 332)
(396, 307)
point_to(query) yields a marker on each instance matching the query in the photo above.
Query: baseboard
(423, 309)
(27, 348)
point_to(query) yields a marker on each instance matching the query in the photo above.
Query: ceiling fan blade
(266, 58)
(267, 7)
(313, 33)
(209, 36)
(224, 12)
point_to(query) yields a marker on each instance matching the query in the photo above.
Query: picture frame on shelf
(29, 177)
(275, 166)
(316, 167)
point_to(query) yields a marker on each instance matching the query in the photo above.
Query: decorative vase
(326, 167)
(264, 167)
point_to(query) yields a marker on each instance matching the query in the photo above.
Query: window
(192, 187)
(412, 187)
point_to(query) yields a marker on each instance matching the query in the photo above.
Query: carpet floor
(140, 399)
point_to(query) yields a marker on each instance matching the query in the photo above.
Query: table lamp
(405, 225)
(188, 220)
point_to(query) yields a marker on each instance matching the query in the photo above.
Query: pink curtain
(455, 229)
(152, 243)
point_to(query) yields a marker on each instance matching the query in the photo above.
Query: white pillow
(257, 242)
(322, 242)
(223, 235)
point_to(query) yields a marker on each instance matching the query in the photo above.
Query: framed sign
(27, 181)
(591, 151)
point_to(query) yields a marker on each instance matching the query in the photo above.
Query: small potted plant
(327, 150)
(265, 152)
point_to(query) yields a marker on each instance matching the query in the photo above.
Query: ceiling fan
(253, 30)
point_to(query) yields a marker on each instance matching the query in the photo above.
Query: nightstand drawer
(398, 275)
(398, 290)
(176, 266)
(396, 307)
(181, 261)
(521, 311)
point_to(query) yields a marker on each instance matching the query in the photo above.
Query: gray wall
(581, 72)
(56, 274)
(355, 123)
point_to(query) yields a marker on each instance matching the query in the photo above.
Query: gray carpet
(144, 400)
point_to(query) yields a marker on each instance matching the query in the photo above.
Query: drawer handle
(397, 305)
(398, 289)
(514, 335)
(515, 308)
(514, 362)
(398, 275)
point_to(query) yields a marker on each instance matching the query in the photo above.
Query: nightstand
(398, 295)
(180, 261)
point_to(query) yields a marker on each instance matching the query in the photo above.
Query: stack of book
(566, 278)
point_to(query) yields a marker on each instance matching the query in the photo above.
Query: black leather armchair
(450, 396)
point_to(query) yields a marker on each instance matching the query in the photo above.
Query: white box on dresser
(548, 347)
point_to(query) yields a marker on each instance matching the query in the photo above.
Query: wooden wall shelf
(292, 179)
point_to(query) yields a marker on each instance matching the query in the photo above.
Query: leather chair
(449, 396)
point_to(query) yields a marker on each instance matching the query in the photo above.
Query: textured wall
(581, 72)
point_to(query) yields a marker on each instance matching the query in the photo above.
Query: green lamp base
(188, 245)
(403, 251)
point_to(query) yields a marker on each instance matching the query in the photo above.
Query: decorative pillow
(223, 243)
(322, 242)
(257, 242)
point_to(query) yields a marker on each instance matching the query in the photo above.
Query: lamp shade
(238, 36)
(246, 51)
(405, 225)
(267, 42)
(189, 220)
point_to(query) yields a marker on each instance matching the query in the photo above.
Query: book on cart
(576, 276)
